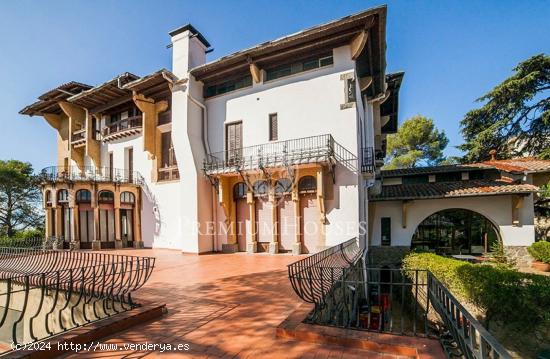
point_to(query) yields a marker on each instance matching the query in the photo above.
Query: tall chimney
(188, 50)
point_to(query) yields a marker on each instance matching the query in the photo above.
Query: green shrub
(516, 300)
(540, 251)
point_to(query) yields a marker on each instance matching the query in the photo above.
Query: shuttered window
(273, 127)
(233, 139)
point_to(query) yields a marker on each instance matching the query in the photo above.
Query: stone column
(252, 244)
(274, 244)
(118, 239)
(297, 247)
(138, 241)
(96, 244)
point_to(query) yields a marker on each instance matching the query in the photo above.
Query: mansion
(275, 148)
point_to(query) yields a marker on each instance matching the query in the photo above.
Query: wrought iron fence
(468, 337)
(304, 150)
(90, 173)
(313, 277)
(43, 293)
(387, 300)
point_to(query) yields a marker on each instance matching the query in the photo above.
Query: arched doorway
(127, 203)
(264, 215)
(455, 231)
(309, 214)
(242, 214)
(106, 201)
(85, 218)
(286, 215)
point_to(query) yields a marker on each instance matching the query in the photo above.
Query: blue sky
(452, 51)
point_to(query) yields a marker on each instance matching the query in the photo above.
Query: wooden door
(264, 223)
(234, 141)
(309, 223)
(242, 223)
(286, 224)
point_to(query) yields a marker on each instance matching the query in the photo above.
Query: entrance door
(234, 141)
(86, 225)
(243, 222)
(264, 224)
(107, 228)
(309, 223)
(286, 224)
(126, 226)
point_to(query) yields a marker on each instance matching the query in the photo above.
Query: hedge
(513, 299)
(540, 251)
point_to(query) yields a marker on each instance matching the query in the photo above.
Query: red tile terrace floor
(222, 306)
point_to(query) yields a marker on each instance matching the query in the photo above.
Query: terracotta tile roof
(452, 189)
(521, 164)
(434, 169)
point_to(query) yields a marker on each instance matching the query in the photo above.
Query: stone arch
(456, 231)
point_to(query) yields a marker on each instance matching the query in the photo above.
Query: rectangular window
(168, 169)
(386, 231)
(448, 177)
(273, 127)
(310, 63)
(234, 140)
(228, 86)
(415, 179)
(350, 90)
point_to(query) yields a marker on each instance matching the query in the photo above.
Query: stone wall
(542, 228)
(519, 255)
(379, 256)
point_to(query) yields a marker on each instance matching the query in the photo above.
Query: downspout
(206, 147)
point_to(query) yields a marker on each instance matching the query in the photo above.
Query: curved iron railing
(313, 277)
(43, 292)
(90, 173)
(312, 149)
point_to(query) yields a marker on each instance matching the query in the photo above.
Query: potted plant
(540, 251)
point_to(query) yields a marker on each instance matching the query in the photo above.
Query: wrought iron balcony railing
(313, 149)
(90, 173)
(48, 292)
(368, 163)
(127, 126)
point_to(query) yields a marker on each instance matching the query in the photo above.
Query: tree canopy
(515, 117)
(417, 142)
(19, 198)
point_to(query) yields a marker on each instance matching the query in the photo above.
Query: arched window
(307, 184)
(106, 197)
(283, 186)
(127, 197)
(455, 231)
(62, 196)
(239, 191)
(83, 196)
(260, 188)
(48, 196)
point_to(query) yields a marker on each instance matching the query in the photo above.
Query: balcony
(314, 149)
(78, 138)
(168, 173)
(122, 128)
(90, 174)
(368, 163)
